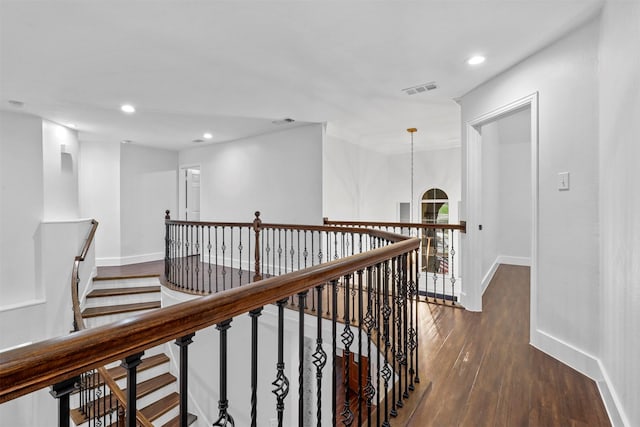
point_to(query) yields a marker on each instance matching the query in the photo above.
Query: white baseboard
(502, 259)
(133, 259)
(617, 416)
(489, 276)
(514, 260)
(587, 365)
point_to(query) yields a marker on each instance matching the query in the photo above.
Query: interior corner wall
(432, 169)
(564, 76)
(21, 206)
(148, 187)
(60, 155)
(490, 195)
(619, 206)
(355, 182)
(99, 194)
(278, 174)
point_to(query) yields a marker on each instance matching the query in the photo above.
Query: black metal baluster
(378, 335)
(452, 274)
(319, 357)
(360, 322)
(398, 303)
(183, 343)
(240, 248)
(61, 391)
(417, 359)
(254, 365)
(386, 371)
(405, 328)
(347, 339)
(199, 281)
(412, 332)
(394, 349)
(224, 269)
(231, 257)
(224, 418)
(369, 323)
(209, 268)
(216, 246)
(281, 382)
(302, 296)
(130, 363)
(334, 341)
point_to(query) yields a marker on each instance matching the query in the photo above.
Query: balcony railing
(360, 284)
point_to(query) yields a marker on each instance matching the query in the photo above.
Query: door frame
(181, 187)
(472, 269)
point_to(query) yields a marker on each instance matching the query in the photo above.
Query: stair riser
(157, 395)
(93, 322)
(174, 412)
(126, 283)
(121, 299)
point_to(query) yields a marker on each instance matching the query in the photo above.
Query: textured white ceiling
(232, 67)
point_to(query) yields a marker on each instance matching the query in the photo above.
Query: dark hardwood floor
(485, 373)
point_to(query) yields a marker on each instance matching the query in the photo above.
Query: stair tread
(118, 372)
(175, 422)
(116, 309)
(149, 386)
(125, 277)
(161, 406)
(96, 293)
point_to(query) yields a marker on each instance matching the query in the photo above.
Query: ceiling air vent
(426, 87)
(197, 141)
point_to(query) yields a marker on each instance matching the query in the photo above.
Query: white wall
(355, 182)
(60, 171)
(148, 187)
(565, 311)
(506, 192)
(432, 168)
(279, 174)
(21, 206)
(619, 296)
(99, 194)
(362, 184)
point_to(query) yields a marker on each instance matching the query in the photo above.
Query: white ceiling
(233, 67)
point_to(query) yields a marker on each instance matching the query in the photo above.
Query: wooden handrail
(462, 226)
(26, 369)
(79, 323)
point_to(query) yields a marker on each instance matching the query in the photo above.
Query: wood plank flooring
(485, 373)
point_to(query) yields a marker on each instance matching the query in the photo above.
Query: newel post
(167, 218)
(257, 226)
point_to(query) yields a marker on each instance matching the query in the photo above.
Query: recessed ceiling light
(476, 60)
(128, 108)
(207, 135)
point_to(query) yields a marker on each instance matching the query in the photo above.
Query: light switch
(563, 181)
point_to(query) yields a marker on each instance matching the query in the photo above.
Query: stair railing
(438, 257)
(97, 382)
(366, 277)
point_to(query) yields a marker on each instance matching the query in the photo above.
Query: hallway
(485, 373)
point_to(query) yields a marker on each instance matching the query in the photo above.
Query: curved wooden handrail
(462, 226)
(26, 369)
(79, 323)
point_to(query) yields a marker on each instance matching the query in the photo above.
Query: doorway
(473, 247)
(189, 193)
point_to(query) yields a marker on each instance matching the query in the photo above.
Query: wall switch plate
(563, 181)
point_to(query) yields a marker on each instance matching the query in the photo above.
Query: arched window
(435, 206)
(435, 243)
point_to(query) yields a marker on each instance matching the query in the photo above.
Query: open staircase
(112, 299)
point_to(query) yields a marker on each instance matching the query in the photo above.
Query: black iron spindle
(254, 365)
(302, 296)
(131, 363)
(183, 343)
(224, 418)
(61, 391)
(281, 382)
(319, 356)
(347, 339)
